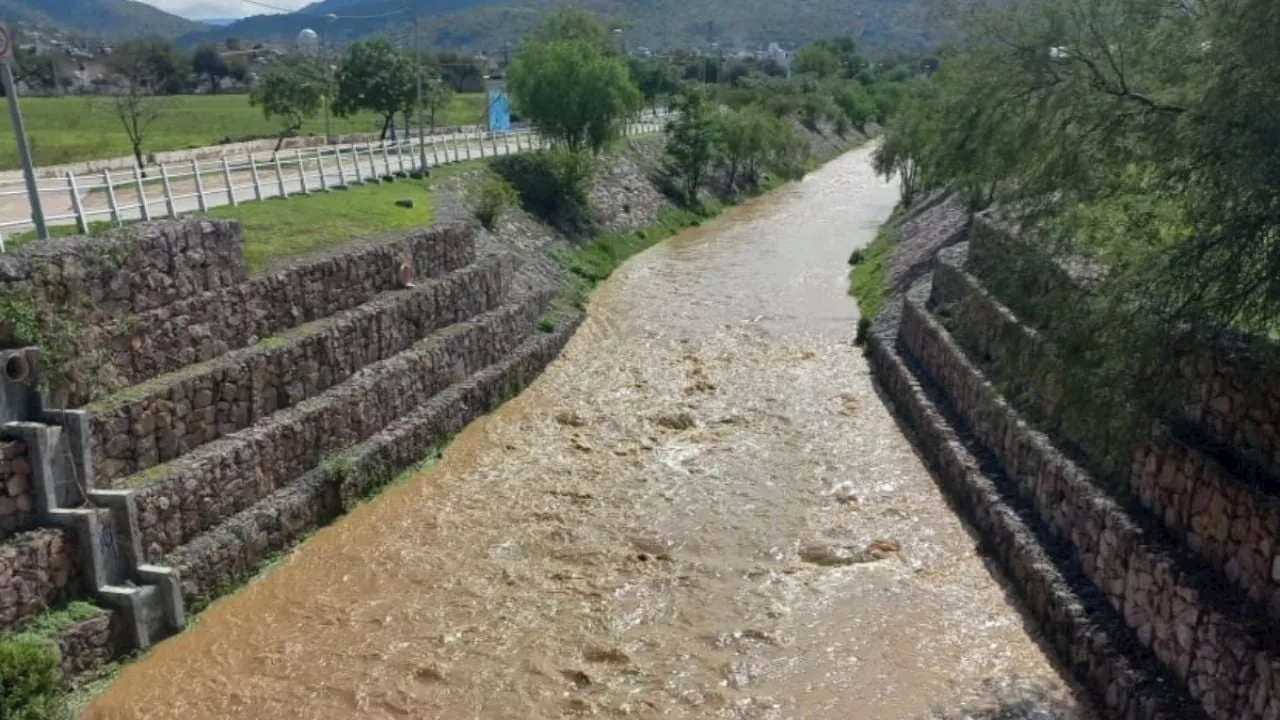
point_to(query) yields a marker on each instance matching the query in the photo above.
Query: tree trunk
(137, 155)
(386, 124)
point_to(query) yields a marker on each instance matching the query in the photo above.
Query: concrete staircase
(1148, 597)
(256, 409)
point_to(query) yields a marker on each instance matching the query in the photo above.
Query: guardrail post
(195, 168)
(373, 163)
(355, 160)
(302, 172)
(284, 192)
(76, 204)
(142, 194)
(324, 179)
(111, 197)
(168, 191)
(386, 159)
(226, 177)
(342, 171)
(435, 153)
(400, 154)
(257, 181)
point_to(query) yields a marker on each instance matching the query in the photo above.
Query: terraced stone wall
(17, 504)
(1175, 607)
(1228, 385)
(201, 404)
(39, 569)
(132, 270)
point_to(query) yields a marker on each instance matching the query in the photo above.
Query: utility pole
(417, 59)
(20, 132)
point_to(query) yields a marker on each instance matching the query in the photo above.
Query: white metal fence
(169, 190)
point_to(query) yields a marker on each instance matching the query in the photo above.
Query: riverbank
(699, 511)
(628, 207)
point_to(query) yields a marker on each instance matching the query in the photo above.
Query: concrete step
(172, 414)
(175, 502)
(232, 551)
(1220, 647)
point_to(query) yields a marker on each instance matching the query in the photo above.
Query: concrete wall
(38, 570)
(173, 415)
(1175, 608)
(16, 500)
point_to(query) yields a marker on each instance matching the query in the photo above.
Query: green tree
(745, 139)
(436, 94)
(691, 139)
(292, 91)
(138, 72)
(209, 65)
(39, 71)
(817, 60)
(573, 92)
(846, 51)
(374, 76)
(856, 104)
(565, 23)
(657, 79)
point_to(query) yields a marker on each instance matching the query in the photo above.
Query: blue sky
(222, 8)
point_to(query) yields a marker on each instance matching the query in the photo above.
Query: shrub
(28, 681)
(495, 195)
(552, 184)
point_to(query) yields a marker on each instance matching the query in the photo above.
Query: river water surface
(701, 510)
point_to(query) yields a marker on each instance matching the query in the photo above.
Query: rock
(405, 203)
(676, 421)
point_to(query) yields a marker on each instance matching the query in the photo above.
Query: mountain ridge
(98, 18)
(884, 27)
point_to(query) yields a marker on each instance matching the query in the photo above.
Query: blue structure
(499, 111)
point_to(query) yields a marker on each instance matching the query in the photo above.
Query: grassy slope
(868, 281)
(71, 129)
(276, 229)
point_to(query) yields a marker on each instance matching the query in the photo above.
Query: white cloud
(222, 8)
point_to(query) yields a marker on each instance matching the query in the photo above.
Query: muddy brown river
(701, 510)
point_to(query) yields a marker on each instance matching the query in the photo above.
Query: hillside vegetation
(882, 27)
(98, 18)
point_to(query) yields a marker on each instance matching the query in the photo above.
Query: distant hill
(98, 18)
(884, 27)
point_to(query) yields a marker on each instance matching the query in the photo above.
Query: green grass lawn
(72, 129)
(277, 229)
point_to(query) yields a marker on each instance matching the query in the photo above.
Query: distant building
(779, 56)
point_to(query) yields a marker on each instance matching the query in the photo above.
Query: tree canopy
(1142, 133)
(570, 87)
(374, 76)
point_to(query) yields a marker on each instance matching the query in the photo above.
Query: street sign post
(19, 132)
